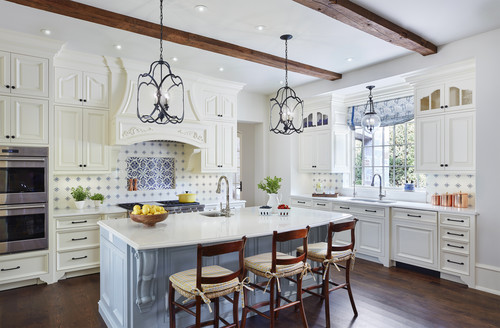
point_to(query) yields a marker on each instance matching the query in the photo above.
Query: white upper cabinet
(446, 142)
(220, 156)
(451, 96)
(24, 120)
(75, 87)
(23, 75)
(81, 139)
(219, 106)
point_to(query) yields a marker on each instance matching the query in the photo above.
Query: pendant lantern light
(160, 93)
(287, 110)
(370, 120)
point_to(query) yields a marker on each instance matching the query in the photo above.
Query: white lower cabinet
(414, 237)
(299, 202)
(23, 266)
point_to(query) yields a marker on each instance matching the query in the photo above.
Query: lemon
(137, 208)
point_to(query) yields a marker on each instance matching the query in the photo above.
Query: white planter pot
(97, 203)
(274, 201)
(79, 205)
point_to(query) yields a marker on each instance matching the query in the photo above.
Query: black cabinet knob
(7, 137)
(80, 100)
(7, 86)
(84, 100)
(442, 107)
(446, 165)
(12, 137)
(12, 87)
(81, 165)
(441, 165)
(445, 106)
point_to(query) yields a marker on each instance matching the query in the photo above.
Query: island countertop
(192, 228)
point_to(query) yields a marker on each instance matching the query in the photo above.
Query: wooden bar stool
(206, 284)
(273, 266)
(329, 255)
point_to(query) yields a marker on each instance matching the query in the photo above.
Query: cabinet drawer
(455, 220)
(372, 211)
(301, 203)
(414, 215)
(455, 263)
(320, 205)
(116, 216)
(77, 239)
(77, 221)
(454, 234)
(78, 259)
(455, 246)
(345, 208)
(23, 267)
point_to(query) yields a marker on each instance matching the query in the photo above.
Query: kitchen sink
(372, 200)
(212, 214)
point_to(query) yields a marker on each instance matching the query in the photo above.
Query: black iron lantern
(287, 110)
(370, 120)
(160, 90)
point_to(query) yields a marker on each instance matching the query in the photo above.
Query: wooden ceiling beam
(358, 17)
(103, 17)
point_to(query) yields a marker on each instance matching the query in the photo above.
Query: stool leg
(244, 311)
(326, 294)
(347, 270)
(236, 301)
(278, 302)
(216, 312)
(271, 302)
(198, 311)
(301, 304)
(171, 306)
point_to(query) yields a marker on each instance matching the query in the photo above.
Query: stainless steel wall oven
(23, 199)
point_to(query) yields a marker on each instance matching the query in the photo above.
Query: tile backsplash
(152, 173)
(114, 185)
(452, 183)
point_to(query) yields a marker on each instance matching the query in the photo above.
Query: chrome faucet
(380, 194)
(226, 211)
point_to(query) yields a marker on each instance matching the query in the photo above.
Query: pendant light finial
(160, 90)
(287, 110)
(371, 120)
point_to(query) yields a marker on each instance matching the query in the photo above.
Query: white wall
(484, 48)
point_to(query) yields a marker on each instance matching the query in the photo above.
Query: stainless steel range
(172, 206)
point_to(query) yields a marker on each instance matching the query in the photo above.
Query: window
(390, 152)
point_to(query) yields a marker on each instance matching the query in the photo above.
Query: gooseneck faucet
(226, 211)
(380, 194)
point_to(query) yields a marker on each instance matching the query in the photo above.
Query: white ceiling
(318, 40)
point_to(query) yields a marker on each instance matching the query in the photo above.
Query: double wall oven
(23, 199)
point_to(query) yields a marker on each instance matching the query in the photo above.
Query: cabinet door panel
(429, 144)
(429, 100)
(95, 140)
(340, 152)
(228, 109)
(68, 134)
(307, 152)
(30, 120)
(370, 238)
(324, 151)
(4, 71)
(414, 243)
(460, 94)
(96, 90)
(209, 155)
(29, 75)
(4, 119)
(460, 141)
(68, 86)
(227, 146)
(210, 105)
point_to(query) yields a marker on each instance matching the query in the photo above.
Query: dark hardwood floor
(385, 297)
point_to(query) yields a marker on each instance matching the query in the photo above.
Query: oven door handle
(21, 207)
(22, 159)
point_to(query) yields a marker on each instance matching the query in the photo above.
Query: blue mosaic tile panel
(152, 173)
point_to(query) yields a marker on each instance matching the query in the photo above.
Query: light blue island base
(134, 273)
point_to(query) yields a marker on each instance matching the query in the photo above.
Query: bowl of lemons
(148, 214)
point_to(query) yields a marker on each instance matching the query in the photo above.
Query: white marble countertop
(109, 209)
(393, 203)
(192, 228)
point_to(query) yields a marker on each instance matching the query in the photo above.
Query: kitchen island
(136, 260)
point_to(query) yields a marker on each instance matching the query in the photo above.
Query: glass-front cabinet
(316, 118)
(450, 96)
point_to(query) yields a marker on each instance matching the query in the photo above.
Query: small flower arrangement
(270, 185)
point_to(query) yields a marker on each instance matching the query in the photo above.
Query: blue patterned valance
(392, 112)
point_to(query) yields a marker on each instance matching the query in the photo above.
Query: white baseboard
(488, 278)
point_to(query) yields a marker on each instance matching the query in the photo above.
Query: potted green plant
(79, 195)
(98, 199)
(271, 186)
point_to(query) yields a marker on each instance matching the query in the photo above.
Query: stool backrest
(220, 249)
(287, 236)
(338, 227)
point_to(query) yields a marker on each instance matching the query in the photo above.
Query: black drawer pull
(414, 216)
(75, 239)
(320, 204)
(10, 269)
(454, 220)
(79, 258)
(371, 211)
(300, 202)
(455, 234)
(344, 208)
(76, 222)
(455, 246)
(459, 263)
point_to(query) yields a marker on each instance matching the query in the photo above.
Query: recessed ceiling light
(221, 69)
(201, 8)
(175, 59)
(349, 59)
(46, 31)
(260, 27)
(118, 46)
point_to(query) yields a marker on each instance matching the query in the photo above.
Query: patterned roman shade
(392, 112)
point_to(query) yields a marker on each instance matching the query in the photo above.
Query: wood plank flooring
(385, 297)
